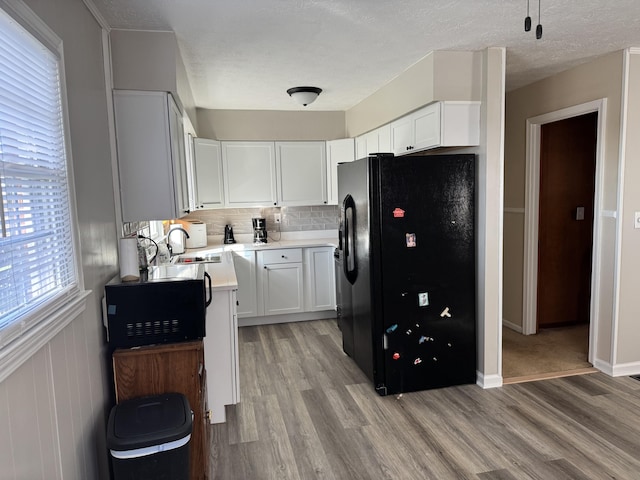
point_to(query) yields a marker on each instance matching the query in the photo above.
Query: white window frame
(52, 316)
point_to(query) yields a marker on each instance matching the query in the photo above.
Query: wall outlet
(277, 217)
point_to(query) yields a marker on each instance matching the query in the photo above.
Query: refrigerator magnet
(411, 240)
(398, 213)
(392, 328)
(445, 313)
(396, 356)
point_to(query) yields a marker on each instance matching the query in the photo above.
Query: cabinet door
(320, 291)
(384, 139)
(221, 354)
(427, 127)
(245, 267)
(208, 173)
(250, 173)
(361, 147)
(338, 151)
(402, 135)
(145, 164)
(282, 288)
(176, 128)
(302, 173)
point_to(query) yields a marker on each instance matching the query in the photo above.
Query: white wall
(52, 409)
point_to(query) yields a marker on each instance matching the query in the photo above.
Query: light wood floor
(307, 412)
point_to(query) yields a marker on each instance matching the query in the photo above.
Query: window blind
(37, 262)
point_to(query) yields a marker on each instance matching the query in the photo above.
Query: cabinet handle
(284, 256)
(265, 267)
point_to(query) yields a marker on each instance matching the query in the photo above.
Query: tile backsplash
(294, 219)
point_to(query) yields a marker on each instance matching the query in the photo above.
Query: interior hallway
(552, 352)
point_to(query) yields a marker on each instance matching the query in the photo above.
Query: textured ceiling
(244, 54)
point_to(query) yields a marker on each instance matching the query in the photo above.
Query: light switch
(580, 213)
(637, 221)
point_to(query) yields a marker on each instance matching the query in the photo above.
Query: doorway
(565, 223)
(589, 117)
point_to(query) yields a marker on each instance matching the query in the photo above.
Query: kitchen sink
(204, 258)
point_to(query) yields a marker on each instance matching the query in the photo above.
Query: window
(39, 273)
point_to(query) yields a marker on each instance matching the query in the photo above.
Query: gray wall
(52, 409)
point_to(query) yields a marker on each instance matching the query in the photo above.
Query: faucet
(178, 229)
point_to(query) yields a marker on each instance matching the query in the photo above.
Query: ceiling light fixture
(304, 95)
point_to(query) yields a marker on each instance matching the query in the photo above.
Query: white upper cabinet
(338, 151)
(249, 173)
(178, 154)
(440, 124)
(375, 141)
(301, 173)
(208, 173)
(151, 157)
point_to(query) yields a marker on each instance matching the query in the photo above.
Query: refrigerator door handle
(350, 266)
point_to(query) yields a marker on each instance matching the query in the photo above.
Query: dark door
(565, 228)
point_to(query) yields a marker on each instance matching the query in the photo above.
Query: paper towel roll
(129, 270)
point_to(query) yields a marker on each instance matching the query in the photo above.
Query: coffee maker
(259, 230)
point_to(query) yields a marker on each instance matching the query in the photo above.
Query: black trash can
(148, 438)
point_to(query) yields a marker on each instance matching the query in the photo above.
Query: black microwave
(168, 304)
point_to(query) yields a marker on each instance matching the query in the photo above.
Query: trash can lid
(147, 421)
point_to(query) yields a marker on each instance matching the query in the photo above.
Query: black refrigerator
(407, 280)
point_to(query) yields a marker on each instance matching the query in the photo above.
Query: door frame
(531, 211)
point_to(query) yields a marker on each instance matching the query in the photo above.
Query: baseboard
(488, 381)
(286, 318)
(626, 369)
(604, 367)
(511, 326)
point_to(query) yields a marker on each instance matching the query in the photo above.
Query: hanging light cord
(539, 27)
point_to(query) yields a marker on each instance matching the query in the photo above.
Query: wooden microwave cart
(173, 367)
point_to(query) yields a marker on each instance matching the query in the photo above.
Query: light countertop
(223, 274)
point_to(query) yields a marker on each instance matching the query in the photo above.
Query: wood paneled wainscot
(174, 367)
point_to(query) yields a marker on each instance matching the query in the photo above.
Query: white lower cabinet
(221, 354)
(245, 267)
(319, 281)
(280, 281)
